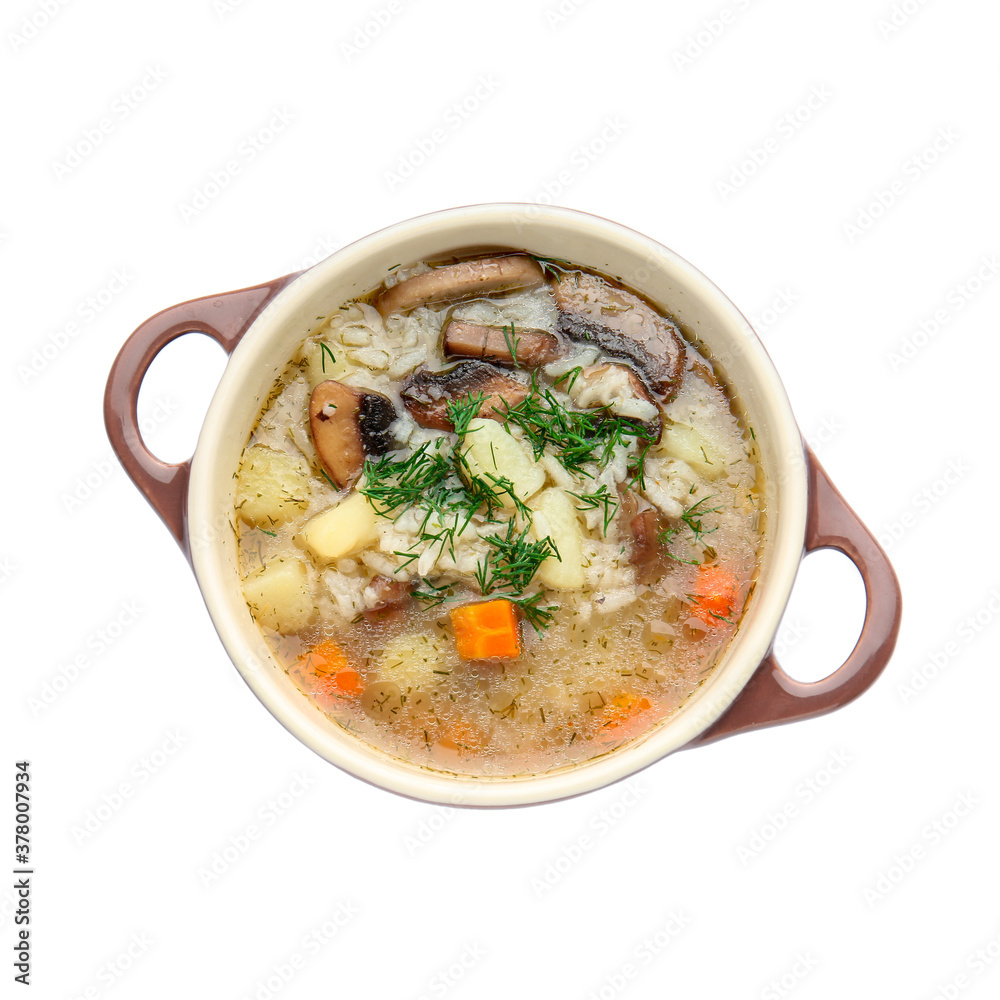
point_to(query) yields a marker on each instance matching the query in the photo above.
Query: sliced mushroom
(501, 345)
(622, 325)
(469, 279)
(347, 424)
(619, 390)
(645, 537)
(427, 394)
(389, 598)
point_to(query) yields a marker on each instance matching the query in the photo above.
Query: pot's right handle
(224, 318)
(771, 697)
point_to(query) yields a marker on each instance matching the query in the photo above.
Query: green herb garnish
(692, 518)
(324, 350)
(601, 498)
(514, 560)
(552, 267)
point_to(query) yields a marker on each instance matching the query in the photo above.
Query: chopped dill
(432, 596)
(573, 374)
(514, 560)
(692, 518)
(325, 351)
(462, 411)
(552, 267)
(601, 498)
(511, 341)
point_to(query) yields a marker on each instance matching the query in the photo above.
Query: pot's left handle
(224, 318)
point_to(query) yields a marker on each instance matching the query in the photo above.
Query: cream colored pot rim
(528, 227)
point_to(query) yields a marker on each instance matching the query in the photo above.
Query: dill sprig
(600, 499)
(462, 411)
(539, 616)
(511, 341)
(692, 519)
(552, 267)
(576, 436)
(325, 351)
(432, 596)
(391, 483)
(573, 374)
(514, 560)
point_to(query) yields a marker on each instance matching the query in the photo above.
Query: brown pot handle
(224, 318)
(771, 697)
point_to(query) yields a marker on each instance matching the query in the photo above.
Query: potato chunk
(324, 360)
(689, 445)
(411, 660)
(492, 452)
(349, 527)
(273, 487)
(554, 514)
(280, 596)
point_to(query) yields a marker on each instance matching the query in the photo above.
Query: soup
(499, 515)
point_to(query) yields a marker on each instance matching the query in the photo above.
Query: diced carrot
(327, 675)
(461, 736)
(325, 658)
(620, 717)
(487, 630)
(349, 681)
(714, 594)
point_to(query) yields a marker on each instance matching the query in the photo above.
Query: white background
(155, 758)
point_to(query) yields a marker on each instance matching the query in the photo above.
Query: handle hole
(824, 617)
(175, 394)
